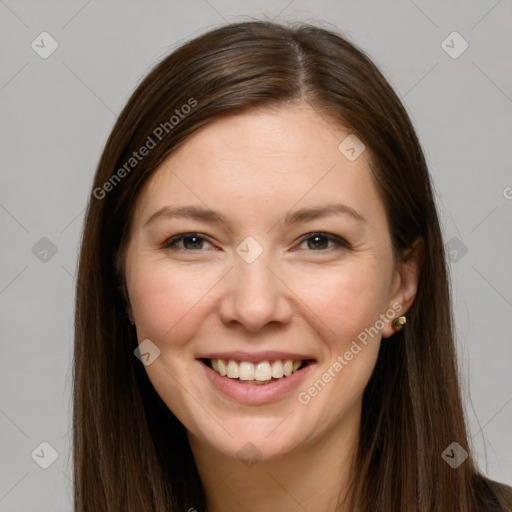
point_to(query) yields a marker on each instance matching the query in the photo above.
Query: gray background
(57, 113)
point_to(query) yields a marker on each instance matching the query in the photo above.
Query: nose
(255, 296)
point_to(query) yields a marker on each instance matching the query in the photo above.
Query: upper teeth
(265, 370)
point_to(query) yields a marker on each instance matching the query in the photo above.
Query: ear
(121, 282)
(123, 292)
(405, 282)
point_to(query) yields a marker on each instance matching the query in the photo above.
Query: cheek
(164, 299)
(347, 299)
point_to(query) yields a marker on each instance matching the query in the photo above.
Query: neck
(313, 477)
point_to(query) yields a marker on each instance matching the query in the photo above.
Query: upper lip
(255, 357)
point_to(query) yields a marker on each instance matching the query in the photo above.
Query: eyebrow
(214, 217)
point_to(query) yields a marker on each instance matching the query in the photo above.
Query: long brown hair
(130, 452)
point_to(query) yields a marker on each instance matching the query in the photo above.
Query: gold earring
(399, 322)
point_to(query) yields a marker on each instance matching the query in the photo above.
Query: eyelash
(341, 242)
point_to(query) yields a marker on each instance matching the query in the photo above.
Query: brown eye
(191, 241)
(319, 242)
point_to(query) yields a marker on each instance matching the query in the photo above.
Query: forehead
(260, 160)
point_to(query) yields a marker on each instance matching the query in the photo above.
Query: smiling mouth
(256, 374)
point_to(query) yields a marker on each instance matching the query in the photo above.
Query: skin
(254, 168)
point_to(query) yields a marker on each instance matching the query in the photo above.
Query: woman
(263, 319)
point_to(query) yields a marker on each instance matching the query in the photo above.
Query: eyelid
(169, 242)
(338, 240)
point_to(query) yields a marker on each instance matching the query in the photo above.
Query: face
(263, 279)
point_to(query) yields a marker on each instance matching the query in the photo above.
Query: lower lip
(253, 394)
